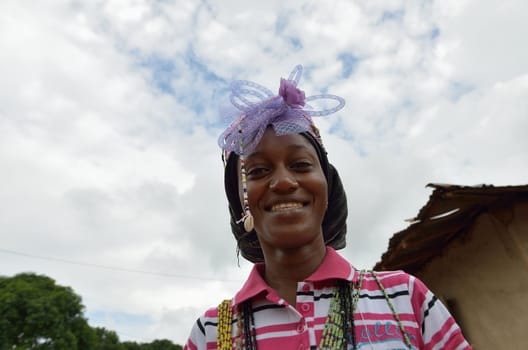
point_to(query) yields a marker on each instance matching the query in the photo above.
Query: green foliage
(37, 314)
(131, 345)
(162, 344)
(107, 340)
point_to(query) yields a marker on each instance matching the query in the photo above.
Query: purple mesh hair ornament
(288, 112)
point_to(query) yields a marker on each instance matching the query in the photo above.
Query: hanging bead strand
(225, 321)
(356, 291)
(394, 313)
(239, 341)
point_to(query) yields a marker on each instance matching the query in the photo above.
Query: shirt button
(305, 307)
(300, 328)
(301, 346)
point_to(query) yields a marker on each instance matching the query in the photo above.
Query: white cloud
(484, 41)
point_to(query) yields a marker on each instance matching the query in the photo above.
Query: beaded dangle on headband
(247, 218)
(287, 112)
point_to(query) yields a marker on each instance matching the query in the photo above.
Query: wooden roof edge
(396, 240)
(477, 188)
(442, 190)
(419, 252)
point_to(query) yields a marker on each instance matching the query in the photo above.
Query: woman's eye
(256, 171)
(301, 165)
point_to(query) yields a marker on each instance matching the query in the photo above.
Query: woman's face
(287, 191)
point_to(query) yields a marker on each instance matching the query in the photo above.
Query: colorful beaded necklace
(339, 329)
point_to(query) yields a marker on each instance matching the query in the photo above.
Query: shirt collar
(334, 266)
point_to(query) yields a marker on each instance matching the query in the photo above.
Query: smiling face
(287, 192)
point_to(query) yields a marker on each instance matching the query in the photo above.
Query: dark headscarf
(334, 221)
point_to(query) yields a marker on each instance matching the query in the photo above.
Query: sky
(111, 180)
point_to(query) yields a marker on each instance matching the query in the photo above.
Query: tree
(162, 344)
(131, 345)
(35, 313)
(107, 340)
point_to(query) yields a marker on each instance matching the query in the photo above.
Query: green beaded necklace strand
(394, 313)
(339, 325)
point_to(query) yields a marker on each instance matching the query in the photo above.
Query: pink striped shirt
(283, 326)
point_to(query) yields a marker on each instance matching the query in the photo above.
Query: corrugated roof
(449, 213)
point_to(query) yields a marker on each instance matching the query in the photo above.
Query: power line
(112, 268)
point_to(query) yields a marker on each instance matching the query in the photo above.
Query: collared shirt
(280, 325)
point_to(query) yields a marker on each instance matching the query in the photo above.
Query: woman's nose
(283, 181)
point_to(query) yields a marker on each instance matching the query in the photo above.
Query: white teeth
(286, 206)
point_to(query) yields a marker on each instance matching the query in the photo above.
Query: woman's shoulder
(387, 274)
(387, 279)
(210, 316)
(204, 330)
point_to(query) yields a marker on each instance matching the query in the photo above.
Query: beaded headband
(288, 113)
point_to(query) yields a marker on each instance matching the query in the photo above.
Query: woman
(288, 214)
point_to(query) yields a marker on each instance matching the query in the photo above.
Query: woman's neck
(285, 268)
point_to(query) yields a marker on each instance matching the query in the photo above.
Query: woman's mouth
(286, 206)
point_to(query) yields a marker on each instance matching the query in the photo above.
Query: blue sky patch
(392, 16)
(435, 33)
(162, 71)
(199, 67)
(280, 26)
(281, 23)
(125, 320)
(195, 97)
(349, 63)
(457, 89)
(295, 43)
(341, 131)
